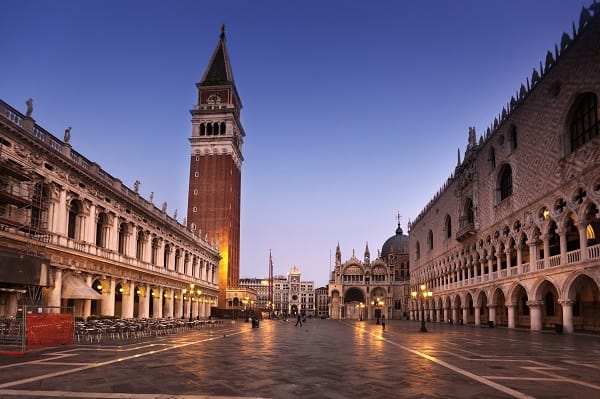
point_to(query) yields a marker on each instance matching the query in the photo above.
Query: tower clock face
(294, 297)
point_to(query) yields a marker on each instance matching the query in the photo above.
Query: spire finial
(222, 31)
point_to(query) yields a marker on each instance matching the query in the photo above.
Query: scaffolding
(24, 198)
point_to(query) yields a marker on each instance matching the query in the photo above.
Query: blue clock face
(295, 297)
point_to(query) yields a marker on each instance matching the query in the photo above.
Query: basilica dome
(395, 245)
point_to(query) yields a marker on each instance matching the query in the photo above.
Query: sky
(353, 110)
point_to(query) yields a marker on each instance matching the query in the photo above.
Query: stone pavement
(322, 359)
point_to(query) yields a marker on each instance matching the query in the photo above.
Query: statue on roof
(29, 103)
(67, 137)
(164, 207)
(136, 186)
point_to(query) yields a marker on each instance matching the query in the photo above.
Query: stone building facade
(368, 290)
(292, 295)
(322, 302)
(513, 236)
(73, 235)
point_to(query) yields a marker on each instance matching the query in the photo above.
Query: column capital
(566, 302)
(534, 304)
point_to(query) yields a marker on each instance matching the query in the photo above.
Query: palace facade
(513, 237)
(73, 235)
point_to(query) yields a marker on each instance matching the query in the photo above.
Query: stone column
(535, 313)
(90, 231)
(107, 306)
(128, 301)
(87, 303)
(54, 297)
(157, 305)
(519, 259)
(477, 316)
(438, 315)
(179, 305)
(546, 240)
(446, 314)
(581, 228)
(131, 240)
(144, 304)
(454, 315)
(562, 233)
(508, 261)
(169, 305)
(567, 313)
(62, 213)
(533, 254)
(512, 321)
(492, 313)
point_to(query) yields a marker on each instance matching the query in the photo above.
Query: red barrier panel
(49, 329)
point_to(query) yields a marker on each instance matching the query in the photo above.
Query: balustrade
(555, 260)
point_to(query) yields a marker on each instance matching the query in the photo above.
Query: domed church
(364, 290)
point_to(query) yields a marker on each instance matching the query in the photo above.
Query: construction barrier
(49, 329)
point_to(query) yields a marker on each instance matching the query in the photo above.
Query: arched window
(209, 129)
(100, 230)
(505, 183)
(202, 129)
(430, 240)
(448, 227)
(492, 158)
(222, 131)
(216, 128)
(167, 254)
(122, 238)
(584, 124)
(140, 244)
(74, 225)
(154, 254)
(468, 216)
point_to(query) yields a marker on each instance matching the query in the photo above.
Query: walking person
(298, 320)
(382, 322)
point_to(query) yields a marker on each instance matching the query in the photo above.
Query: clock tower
(216, 166)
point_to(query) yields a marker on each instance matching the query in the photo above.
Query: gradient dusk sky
(353, 110)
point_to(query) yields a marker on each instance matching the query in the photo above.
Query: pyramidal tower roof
(218, 71)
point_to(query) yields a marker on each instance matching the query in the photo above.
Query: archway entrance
(354, 304)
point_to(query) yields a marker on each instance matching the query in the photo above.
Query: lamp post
(191, 292)
(360, 311)
(424, 294)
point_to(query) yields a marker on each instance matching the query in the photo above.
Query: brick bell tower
(216, 166)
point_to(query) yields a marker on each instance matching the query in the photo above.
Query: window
(122, 238)
(448, 227)
(492, 158)
(101, 230)
(584, 124)
(430, 240)
(140, 245)
(418, 251)
(513, 138)
(505, 183)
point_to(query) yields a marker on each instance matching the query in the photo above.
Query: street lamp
(191, 292)
(360, 313)
(424, 294)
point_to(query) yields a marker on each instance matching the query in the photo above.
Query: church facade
(365, 289)
(513, 237)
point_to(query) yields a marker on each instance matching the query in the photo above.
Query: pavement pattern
(322, 359)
